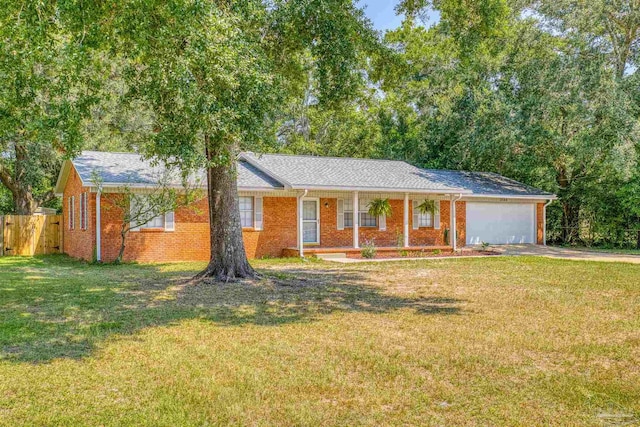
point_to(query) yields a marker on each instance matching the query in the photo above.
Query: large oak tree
(215, 75)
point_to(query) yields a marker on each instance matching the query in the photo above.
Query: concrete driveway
(565, 253)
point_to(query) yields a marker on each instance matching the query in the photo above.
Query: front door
(310, 221)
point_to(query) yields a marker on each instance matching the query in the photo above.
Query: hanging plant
(427, 206)
(379, 207)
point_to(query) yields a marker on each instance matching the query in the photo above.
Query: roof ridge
(110, 152)
(326, 157)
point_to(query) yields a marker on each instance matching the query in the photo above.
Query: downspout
(544, 222)
(300, 225)
(98, 229)
(454, 222)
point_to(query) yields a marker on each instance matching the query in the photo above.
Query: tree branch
(6, 179)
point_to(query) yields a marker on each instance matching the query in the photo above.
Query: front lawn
(476, 341)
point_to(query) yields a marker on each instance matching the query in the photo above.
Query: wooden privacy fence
(30, 234)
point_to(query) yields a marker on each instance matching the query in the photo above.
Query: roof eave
(515, 196)
(380, 189)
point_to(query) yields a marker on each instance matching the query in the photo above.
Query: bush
(368, 249)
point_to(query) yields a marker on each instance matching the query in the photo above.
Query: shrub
(437, 252)
(368, 249)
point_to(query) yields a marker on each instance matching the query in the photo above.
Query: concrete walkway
(518, 250)
(565, 253)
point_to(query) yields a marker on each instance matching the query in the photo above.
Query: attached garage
(500, 223)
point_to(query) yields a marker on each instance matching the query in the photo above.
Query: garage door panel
(500, 223)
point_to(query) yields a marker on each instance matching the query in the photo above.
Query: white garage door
(500, 223)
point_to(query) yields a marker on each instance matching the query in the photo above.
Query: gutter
(98, 228)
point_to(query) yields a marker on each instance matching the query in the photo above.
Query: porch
(354, 252)
(339, 223)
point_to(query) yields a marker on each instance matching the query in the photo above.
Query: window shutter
(132, 208)
(436, 215)
(340, 214)
(382, 222)
(169, 221)
(70, 213)
(416, 215)
(257, 213)
(73, 212)
(86, 211)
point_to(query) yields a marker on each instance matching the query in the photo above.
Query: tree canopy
(546, 92)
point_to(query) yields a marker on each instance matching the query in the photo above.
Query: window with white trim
(83, 211)
(246, 211)
(366, 219)
(72, 214)
(425, 219)
(138, 213)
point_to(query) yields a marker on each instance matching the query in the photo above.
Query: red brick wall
(189, 241)
(279, 228)
(78, 243)
(540, 223)
(330, 236)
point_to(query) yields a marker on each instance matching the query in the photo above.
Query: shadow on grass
(53, 307)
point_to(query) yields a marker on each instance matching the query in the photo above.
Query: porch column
(406, 220)
(356, 220)
(453, 234)
(300, 228)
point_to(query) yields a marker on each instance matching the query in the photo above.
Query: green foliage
(427, 206)
(46, 84)
(379, 207)
(369, 249)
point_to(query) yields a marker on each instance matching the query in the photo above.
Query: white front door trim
(316, 221)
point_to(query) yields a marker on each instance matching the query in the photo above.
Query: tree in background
(44, 96)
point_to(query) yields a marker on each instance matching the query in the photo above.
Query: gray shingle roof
(131, 169)
(276, 171)
(348, 173)
(485, 183)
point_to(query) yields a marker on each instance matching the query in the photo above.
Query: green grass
(606, 250)
(482, 341)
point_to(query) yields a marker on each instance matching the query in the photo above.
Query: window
(425, 219)
(156, 222)
(366, 220)
(83, 211)
(139, 212)
(72, 214)
(428, 219)
(246, 211)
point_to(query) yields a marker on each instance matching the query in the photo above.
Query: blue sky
(383, 15)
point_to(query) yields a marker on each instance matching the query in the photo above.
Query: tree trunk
(570, 221)
(24, 202)
(228, 258)
(123, 237)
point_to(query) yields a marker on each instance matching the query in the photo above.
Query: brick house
(300, 205)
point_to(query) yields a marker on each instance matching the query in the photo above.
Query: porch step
(335, 255)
